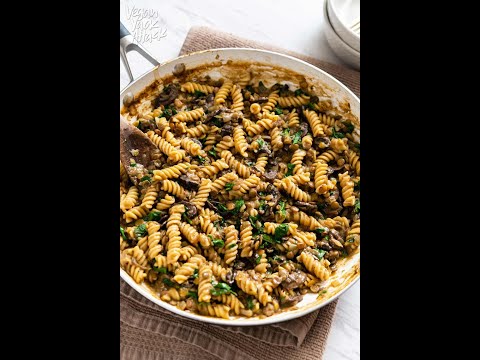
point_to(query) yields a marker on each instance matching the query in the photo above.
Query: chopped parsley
(262, 205)
(168, 112)
(261, 142)
(159, 270)
(357, 146)
(267, 238)
(278, 111)
(249, 303)
(282, 210)
(299, 92)
(238, 205)
(280, 231)
(319, 231)
(337, 134)
(349, 127)
(168, 282)
(140, 231)
(201, 159)
(222, 207)
(254, 221)
(122, 232)
(185, 217)
(192, 294)
(198, 93)
(258, 259)
(221, 289)
(217, 242)
(146, 178)
(153, 216)
(351, 240)
(195, 274)
(290, 168)
(212, 152)
(356, 208)
(229, 186)
(320, 253)
(133, 164)
(311, 106)
(297, 137)
(231, 246)
(286, 132)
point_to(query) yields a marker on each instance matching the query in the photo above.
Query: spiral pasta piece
(150, 197)
(165, 203)
(219, 184)
(353, 236)
(123, 173)
(299, 217)
(314, 122)
(164, 128)
(255, 108)
(174, 188)
(214, 168)
(339, 145)
(154, 236)
(191, 87)
(135, 213)
(231, 301)
(299, 179)
(221, 95)
(327, 120)
(241, 144)
(244, 282)
(190, 233)
(237, 98)
(231, 244)
(266, 123)
(233, 163)
(186, 270)
(293, 119)
(187, 252)
(202, 195)
(130, 199)
(307, 142)
(318, 268)
(173, 231)
(294, 191)
(217, 310)
(206, 223)
(328, 156)
(210, 141)
(276, 136)
(262, 263)
(269, 228)
(188, 116)
(354, 161)
(205, 277)
(271, 102)
(297, 159)
(243, 79)
(262, 161)
(321, 178)
(293, 101)
(251, 182)
(198, 131)
(171, 172)
(246, 239)
(347, 189)
(165, 147)
(192, 147)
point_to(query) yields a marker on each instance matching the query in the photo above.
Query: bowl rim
(335, 12)
(142, 289)
(347, 47)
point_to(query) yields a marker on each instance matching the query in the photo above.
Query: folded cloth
(149, 332)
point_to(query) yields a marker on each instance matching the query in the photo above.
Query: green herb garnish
(278, 111)
(258, 259)
(192, 294)
(262, 205)
(133, 164)
(261, 142)
(122, 232)
(286, 132)
(357, 146)
(267, 238)
(249, 303)
(238, 205)
(297, 137)
(319, 230)
(168, 282)
(282, 210)
(351, 240)
(195, 274)
(146, 178)
(299, 92)
(201, 159)
(229, 186)
(320, 253)
(349, 127)
(153, 216)
(337, 134)
(231, 246)
(216, 242)
(356, 208)
(185, 217)
(159, 270)
(221, 289)
(280, 231)
(198, 93)
(290, 168)
(311, 106)
(212, 152)
(140, 231)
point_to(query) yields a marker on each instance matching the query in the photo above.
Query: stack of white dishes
(342, 29)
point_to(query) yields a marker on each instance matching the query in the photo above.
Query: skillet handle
(127, 44)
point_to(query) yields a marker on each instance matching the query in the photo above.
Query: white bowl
(347, 54)
(342, 14)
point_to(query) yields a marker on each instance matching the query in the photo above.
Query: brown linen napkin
(150, 332)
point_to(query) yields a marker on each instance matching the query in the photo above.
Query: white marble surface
(294, 25)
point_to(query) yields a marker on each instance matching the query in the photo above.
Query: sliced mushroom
(189, 181)
(190, 209)
(169, 94)
(294, 280)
